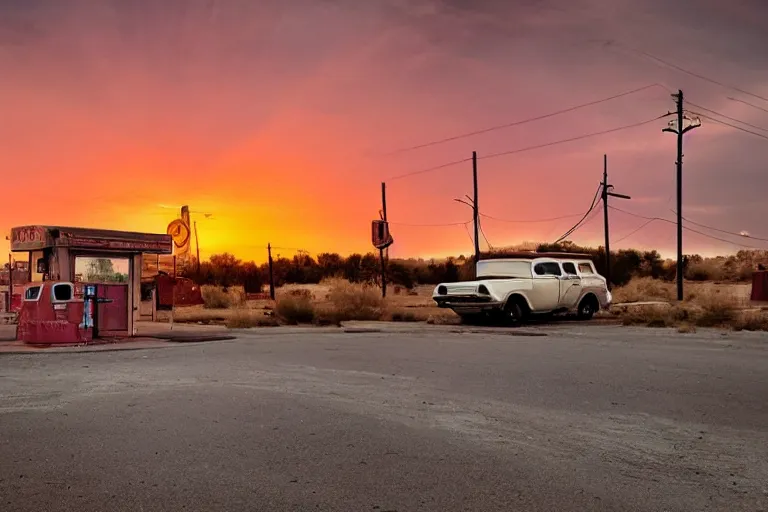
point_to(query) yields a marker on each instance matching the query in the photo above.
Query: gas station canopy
(35, 238)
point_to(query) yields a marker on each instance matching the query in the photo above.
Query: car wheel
(515, 312)
(587, 308)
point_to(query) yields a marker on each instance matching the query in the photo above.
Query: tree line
(227, 270)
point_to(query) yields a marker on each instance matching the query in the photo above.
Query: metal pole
(197, 247)
(10, 283)
(173, 292)
(605, 216)
(680, 130)
(271, 273)
(381, 251)
(475, 207)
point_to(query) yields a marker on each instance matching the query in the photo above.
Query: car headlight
(482, 290)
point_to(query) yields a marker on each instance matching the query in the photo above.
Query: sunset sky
(280, 118)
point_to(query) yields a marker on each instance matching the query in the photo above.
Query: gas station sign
(30, 238)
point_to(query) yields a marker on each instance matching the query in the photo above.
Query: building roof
(33, 238)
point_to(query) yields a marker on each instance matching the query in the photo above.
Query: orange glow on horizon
(280, 122)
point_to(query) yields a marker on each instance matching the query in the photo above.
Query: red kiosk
(66, 303)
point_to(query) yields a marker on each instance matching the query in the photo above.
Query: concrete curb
(81, 349)
(356, 327)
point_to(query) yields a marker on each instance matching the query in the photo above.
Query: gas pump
(90, 309)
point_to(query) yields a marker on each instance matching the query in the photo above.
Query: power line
(576, 226)
(430, 169)
(524, 121)
(651, 221)
(405, 224)
(480, 225)
(526, 221)
(684, 227)
(748, 103)
(572, 139)
(466, 228)
(724, 231)
(762, 136)
(594, 215)
(289, 249)
(715, 112)
(696, 75)
(529, 148)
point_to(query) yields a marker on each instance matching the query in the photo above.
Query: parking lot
(578, 417)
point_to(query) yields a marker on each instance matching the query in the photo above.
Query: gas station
(65, 304)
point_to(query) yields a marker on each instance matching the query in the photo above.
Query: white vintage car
(528, 284)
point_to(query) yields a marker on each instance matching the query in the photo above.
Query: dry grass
(443, 319)
(214, 297)
(406, 316)
(751, 321)
(295, 308)
(333, 301)
(705, 306)
(655, 316)
(644, 289)
(717, 310)
(243, 318)
(351, 301)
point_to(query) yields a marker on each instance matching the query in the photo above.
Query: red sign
(380, 236)
(29, 238)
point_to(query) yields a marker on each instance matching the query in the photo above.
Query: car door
(570, 286)
(545, 292)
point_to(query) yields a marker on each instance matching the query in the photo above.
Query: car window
(569, 268)
(547, 269)
(585, 268)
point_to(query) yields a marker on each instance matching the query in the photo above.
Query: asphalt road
(587, 418)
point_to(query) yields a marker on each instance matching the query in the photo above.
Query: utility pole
(197, 248)
(475, 207)
(271, 273)
(607, 192)
(10, 283)
(381, 251)
(677, 126)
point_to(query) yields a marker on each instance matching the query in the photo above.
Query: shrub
(243, 319)
(644, 289)
(717, 310)
(705, 270)
(215, 297)
(301, 293)
(655, 316)
(751, 321)
(295, 309)
(351, 301)
(405, 316)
